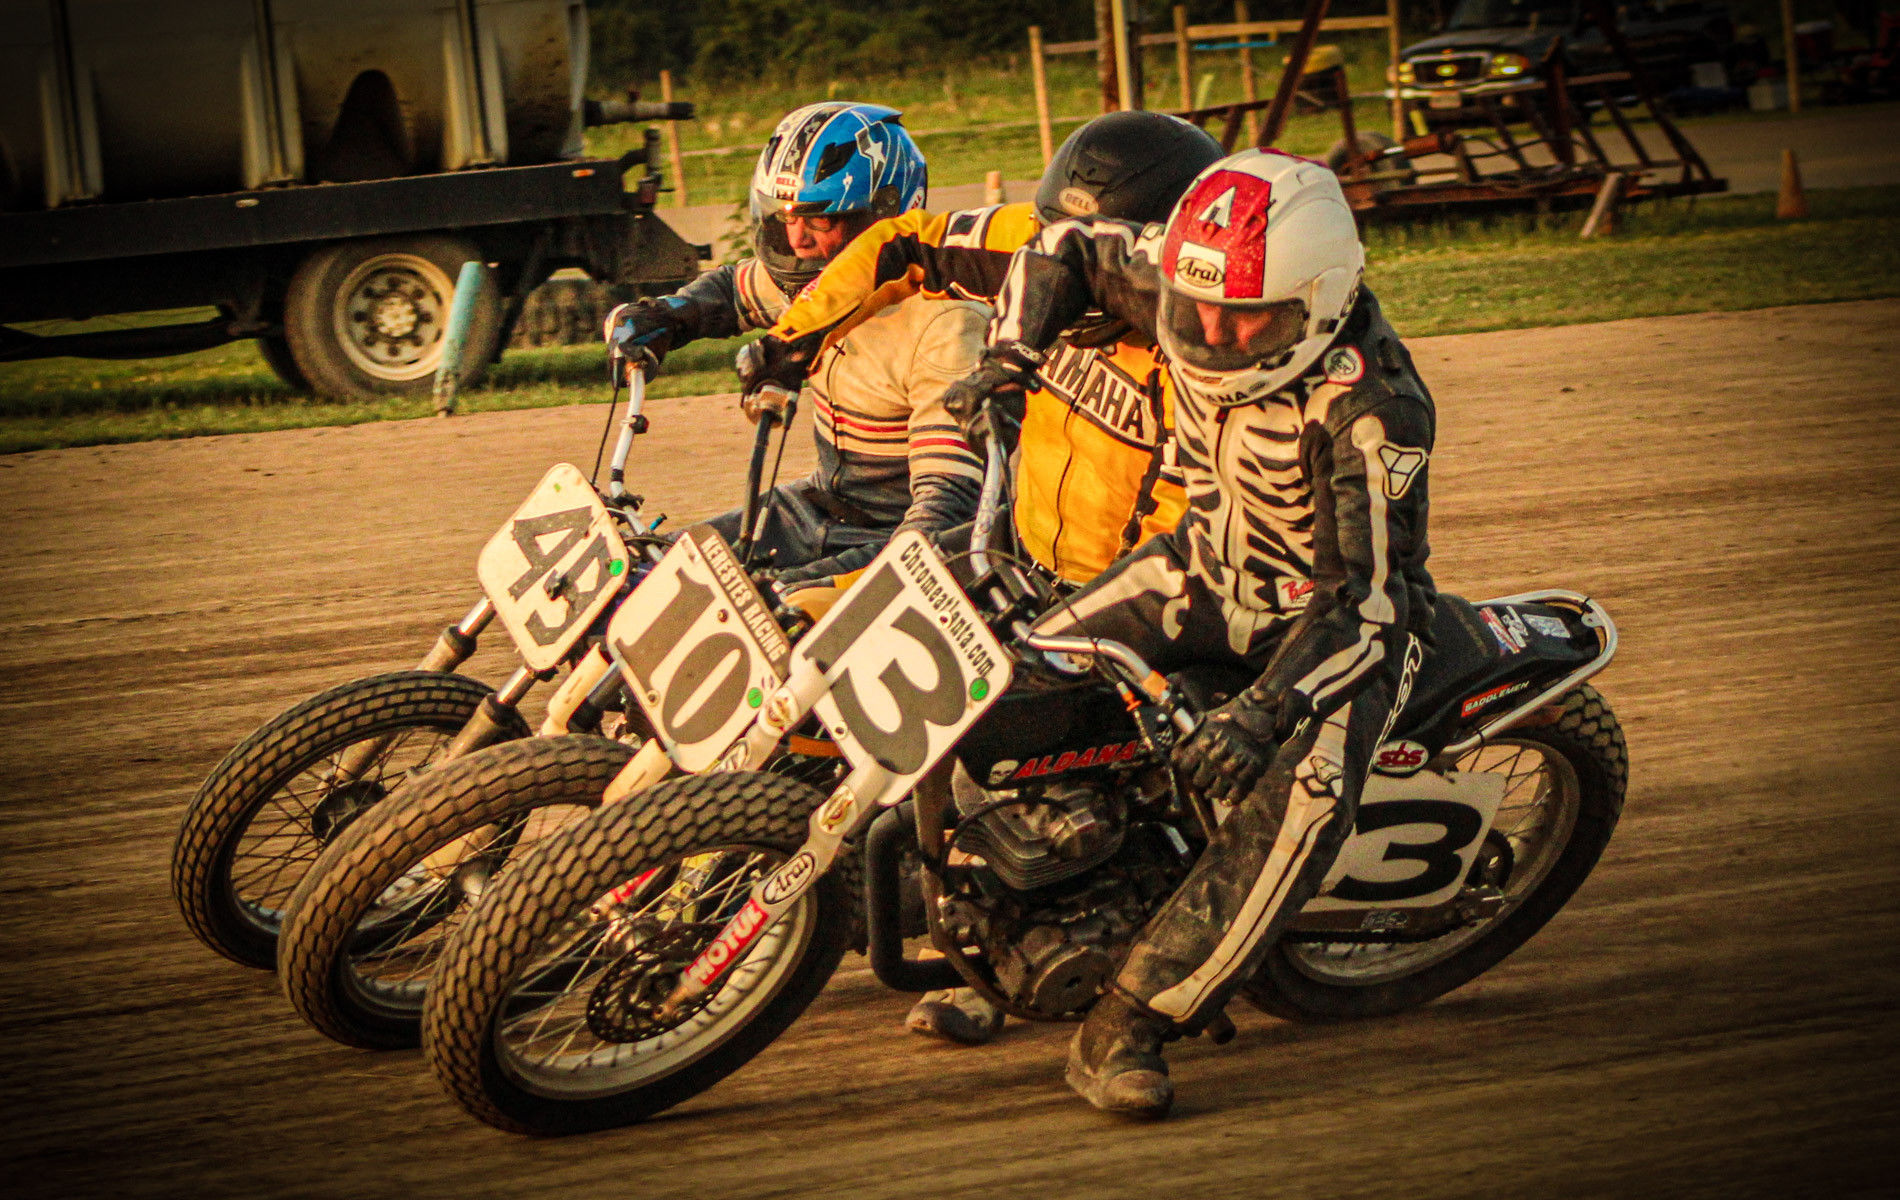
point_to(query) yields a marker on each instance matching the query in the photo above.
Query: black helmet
(1129, 165)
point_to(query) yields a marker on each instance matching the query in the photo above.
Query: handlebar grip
(769, 400)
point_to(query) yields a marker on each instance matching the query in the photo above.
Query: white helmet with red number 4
(1261, 261)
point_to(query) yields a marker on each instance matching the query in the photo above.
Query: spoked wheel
(546, 1016)
(266, 812)
(1563, 795)
(362, 933)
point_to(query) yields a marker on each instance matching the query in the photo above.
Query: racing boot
(1115, 1060)
(959, 1015)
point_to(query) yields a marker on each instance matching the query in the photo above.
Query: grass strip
(1453, 277)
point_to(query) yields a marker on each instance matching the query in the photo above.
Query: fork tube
(589, 671)
(491, 722)
(644, 770)
(457, 642)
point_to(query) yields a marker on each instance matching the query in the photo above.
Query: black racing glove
(772, 359)
(1230, 749)
(653, 324)
(1003, 375)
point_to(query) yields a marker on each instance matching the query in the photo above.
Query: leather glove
(1230, 749)
(772, 359)
(1003, 374)
(652, 324)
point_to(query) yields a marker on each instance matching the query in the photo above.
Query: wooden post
(1182, 62)
(993, 188)
(1105, 72)
(1296, 56)
(1794, 56)
(1044, 132)
(1392, 46)
(1602, 218)
(1124, 80)
(673, 143)
(1247, 90)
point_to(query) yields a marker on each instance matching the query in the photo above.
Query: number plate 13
(907, 660)
(699, 647)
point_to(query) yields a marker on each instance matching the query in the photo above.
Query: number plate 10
(699, 647)
(555, 566)
(907, 660)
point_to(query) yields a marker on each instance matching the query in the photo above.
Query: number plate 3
(554, 566)
(907, 660)
(1412, 841)
(699, 648)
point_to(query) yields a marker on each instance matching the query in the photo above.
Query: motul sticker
(1483, 699)
(1345, 365)
(1294, 593)
(1505, 641)
(1073, 760)
(731, 943)
(1399, 758)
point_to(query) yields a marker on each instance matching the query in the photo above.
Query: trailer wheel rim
(391, 313)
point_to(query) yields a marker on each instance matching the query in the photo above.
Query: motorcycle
(363, 928)
(643, 954)
(266, 812)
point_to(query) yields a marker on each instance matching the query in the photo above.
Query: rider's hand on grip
(1230, 749)
(999, 378)
(650, 325)
(770, 401)
(771, 359)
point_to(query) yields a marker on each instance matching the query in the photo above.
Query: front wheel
(545, 1017)
(266, 812)
(364, 929)
(1564, 793)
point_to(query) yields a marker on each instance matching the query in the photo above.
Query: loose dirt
(1714, 1015)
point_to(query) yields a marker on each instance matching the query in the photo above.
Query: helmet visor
(1227, 337)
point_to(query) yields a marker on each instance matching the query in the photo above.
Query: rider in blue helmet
(830, 168)
(889, 456)
(827, 172)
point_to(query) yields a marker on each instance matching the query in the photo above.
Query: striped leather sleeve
(1070, 268)
(960, 255)
(1370, 508)
(730, 299)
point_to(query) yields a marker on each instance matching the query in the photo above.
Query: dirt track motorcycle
(266, 812)
(641, 955)
(698, 647)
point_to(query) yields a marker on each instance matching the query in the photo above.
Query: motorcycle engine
(1062, 879)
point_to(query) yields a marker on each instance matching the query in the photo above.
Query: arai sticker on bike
(908, 663)
(699, 647)
(554, 566)
(1413, 841)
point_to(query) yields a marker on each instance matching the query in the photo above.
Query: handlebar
(633, 424)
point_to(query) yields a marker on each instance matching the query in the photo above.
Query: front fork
(451, 650)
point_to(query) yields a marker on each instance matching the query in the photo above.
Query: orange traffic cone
(1792, 203)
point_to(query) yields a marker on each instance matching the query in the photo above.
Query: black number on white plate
(902, 749)
(721, 661)
(1439, 858)
(573, 523)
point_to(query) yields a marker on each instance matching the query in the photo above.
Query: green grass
(1713, 254)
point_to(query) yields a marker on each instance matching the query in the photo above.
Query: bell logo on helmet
(1224, 219)
(1078, 201)
(785, 186)
(1201, 272)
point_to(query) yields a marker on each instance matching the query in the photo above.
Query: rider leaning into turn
(1094, 476)
(1303, 434)
(889, 456)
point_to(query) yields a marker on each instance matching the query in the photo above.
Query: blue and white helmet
(831, 159)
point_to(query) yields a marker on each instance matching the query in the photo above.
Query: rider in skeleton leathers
(889, 456)
(1304, 434)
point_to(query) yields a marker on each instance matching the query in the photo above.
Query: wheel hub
(625, 1005)
(393, 315)
(342, 805)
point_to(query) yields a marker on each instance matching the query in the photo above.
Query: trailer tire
(368, 318)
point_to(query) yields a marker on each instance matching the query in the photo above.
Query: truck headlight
(1507, 65)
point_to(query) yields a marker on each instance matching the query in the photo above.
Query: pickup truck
(315, 170)
(1491, 42)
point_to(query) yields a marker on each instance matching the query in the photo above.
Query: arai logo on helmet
(1078, 201)
(1201, 272)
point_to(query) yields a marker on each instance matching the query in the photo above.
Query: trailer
(317, 171)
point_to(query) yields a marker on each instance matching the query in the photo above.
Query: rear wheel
(266, 812)
(363, 931)
(546, 1014)
(1563, 796)
(366, 318)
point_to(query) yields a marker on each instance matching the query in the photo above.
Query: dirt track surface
(1714, 1015)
